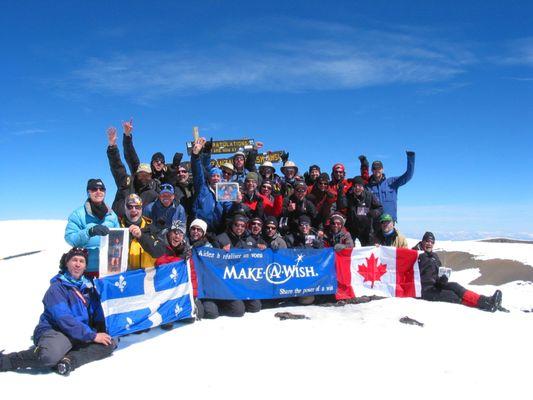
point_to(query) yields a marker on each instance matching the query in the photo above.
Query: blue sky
(326, 81)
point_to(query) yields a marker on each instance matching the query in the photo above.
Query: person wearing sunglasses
(255, 225)
(271, 197)
(298, 205)
(71, 330)
(166, 209)
(236, 236)
(271, 235)
(90, 221)
(137, 224)
(436, 287)
(336, 235)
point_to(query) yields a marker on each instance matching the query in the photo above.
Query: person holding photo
(437, 288)
(71, 330)
(90, 221)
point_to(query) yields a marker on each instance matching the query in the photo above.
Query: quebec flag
(145, 298)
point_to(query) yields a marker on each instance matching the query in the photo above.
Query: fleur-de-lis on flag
(129, 323)
(177, 310)
(121, 284)
(174, 275)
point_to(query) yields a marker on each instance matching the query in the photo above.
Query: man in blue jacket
(386, 189)
(71, 330)
(166, 209)
(205, 205)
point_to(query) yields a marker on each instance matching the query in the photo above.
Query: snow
(352, 351)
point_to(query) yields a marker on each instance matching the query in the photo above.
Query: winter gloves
(99, 230)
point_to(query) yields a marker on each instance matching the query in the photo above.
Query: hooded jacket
(77, 232)
(72, 310)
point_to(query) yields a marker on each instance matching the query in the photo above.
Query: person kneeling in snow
(437, 288)
(68, 334)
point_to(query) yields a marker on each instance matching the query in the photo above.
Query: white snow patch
(351, 351)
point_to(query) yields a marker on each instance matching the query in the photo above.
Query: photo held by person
(71, 330)
(90, 221)
(435, 284)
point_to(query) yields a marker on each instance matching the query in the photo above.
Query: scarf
(98, 210)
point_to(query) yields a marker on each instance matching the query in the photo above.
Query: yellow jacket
(137, 256)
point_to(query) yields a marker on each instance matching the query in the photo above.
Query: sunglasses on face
(256, 223)
(322, 183)
(241, 225)
(304, 224)
(158, 161)
(270, 228)
(131, 207)
(98, 189)
(82, 250)
(300, 190)
(195, 228)
(182, 171)
(266, 187)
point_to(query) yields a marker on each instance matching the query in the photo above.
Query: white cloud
(330, 57)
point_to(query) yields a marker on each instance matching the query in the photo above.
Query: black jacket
(429, 264)
(236, 242)
(303, 207)
(127, 184)
(299, 241)
(362, 211)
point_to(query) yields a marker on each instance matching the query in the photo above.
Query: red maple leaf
(372, 272)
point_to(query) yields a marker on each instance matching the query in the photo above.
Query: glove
(208, 146)
(99, 230)
(410, 153)
(363, 160)
(284, 157)
(443, 280)
(176, 161)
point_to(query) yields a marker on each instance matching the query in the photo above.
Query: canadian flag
(382, 271)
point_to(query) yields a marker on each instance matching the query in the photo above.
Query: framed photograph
(114, 249)
(227, 191)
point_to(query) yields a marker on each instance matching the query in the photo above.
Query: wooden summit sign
(227, 146)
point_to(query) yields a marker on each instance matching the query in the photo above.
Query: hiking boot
(486, 304)
(5, 363)
(497, 299)
(64, 367)
(168, 326)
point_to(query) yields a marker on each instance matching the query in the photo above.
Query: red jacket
(167, 259)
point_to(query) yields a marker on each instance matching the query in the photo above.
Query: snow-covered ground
(352, 351)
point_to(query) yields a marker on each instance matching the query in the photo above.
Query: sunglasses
(158, 161)
(304, 224)
(240, 225)
(97, 189)
(300, 190)
(256, 223)
(385, 222)
(270, 228)
(183, 171)
(131, 207)
(266, 187)
(196, 228)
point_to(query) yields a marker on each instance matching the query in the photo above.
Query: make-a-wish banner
(145, 298)
(264, 274)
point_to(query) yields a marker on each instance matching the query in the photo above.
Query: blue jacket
(386, 190)
(205, 206)
(156, 211)
(66, 312)
(77, 232)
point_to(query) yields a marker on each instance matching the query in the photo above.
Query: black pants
(450, 292)
(229, 308)
(54, 346)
